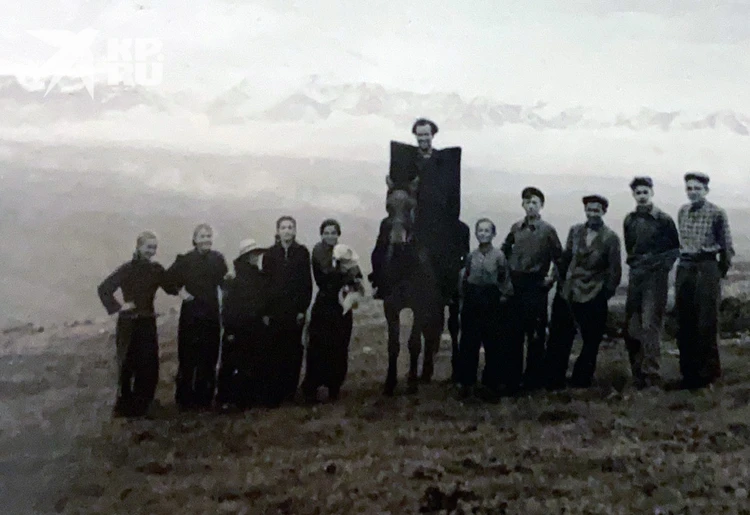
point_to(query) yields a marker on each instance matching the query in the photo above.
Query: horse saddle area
(439, 193)
(438, 202)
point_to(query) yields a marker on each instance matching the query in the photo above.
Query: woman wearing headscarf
(287, 264)
(136, 336)
(198, 275)
(330, 325)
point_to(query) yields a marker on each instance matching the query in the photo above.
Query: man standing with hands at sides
(652, 245)
(533, 250)
(592, 266)
(704, 237)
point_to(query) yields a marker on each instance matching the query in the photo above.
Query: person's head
(203, 237)
(250, 252)
(485, 230)
(643, 190)
(424, 130)
(286, 229)
(146, 244)
(330, 230)
(696, 186)
(532, 201)
(595, 206)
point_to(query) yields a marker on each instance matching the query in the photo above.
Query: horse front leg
(394, 346)
(415, 348)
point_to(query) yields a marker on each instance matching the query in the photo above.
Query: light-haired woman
(136, 336)
(198, 276)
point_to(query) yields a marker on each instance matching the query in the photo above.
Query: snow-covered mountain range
(25, 102)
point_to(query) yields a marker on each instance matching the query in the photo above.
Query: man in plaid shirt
(705, 257)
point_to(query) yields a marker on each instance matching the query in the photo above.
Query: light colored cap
(248, 245)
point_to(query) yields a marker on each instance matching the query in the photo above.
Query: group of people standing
(505, 292)
(248, 324)
(501, 302)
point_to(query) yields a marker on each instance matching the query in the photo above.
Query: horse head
(401, 204)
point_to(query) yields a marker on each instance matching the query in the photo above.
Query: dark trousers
(591, 319)
(138, 364)
(283, 361)
(241, 369)
(328, 349)
(198, 343)
(697, 297)
(482, 327)
(532, 302)
(645, 308)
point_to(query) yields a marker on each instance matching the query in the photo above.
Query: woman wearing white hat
(330, 323)
(245, 334)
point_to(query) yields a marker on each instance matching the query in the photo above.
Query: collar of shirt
(531, 223)
(650, 209)
(425, 155)
(697, 206)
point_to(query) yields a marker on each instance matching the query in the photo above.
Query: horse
(458, 251)
(410, 282)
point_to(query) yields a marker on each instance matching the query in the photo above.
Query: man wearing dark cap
(706, 254)
(591, 268)
(533, 250)
(652, 245)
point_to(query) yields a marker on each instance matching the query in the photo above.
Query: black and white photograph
(327, 257)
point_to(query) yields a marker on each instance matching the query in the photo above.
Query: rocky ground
(609, 449)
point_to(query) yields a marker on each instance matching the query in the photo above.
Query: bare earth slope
(606, 450)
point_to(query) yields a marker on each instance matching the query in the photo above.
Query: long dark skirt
(138, 364)
(328, 349)
(281, 362)
(241, 376)
(198, 341)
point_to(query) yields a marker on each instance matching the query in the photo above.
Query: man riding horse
(413, 263)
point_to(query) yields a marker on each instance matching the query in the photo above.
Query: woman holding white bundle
(339, 279)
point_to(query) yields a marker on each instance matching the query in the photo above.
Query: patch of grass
(609, 449)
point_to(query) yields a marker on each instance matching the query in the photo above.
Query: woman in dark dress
(136, 336)
(330, 328)
(198, 275)
(287, 264)
(245, 333)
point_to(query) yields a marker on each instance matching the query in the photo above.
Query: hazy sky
(664, 54)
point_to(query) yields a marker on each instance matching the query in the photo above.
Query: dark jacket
(201, 274)
(378, 256)
(590, 269)
(246, 298)
(290, 280)
(138, 279)
(651, 240)
(329, 279)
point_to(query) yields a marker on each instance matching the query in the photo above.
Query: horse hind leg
(432, 330)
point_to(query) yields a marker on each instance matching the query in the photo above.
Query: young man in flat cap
(706, 254)
(652, 245)
(533, 250)
(591, 267)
